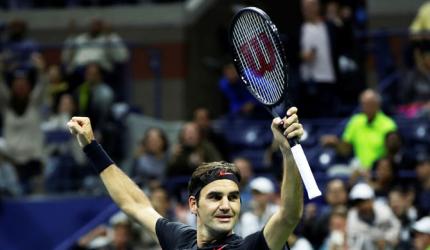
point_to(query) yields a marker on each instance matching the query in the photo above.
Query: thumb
(74, 128)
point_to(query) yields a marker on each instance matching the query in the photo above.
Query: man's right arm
(129, 197)
(126, 194)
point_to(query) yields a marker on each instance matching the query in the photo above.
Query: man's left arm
(284, 221)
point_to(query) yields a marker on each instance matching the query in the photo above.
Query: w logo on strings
(259, 54)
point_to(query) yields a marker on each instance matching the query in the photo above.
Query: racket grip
(305, 171)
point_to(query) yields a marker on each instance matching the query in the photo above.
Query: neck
(206, 236)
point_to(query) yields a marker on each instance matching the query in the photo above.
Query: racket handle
(305, 171)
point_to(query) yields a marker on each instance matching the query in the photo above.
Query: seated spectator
(384, 178)
(421, 230)
(364, 133)
(396, 152)
(191, 151)
(401, 201)
(370, 225)
(262, 205)
(246, 174)
(337, 236)
(316, 220)
(21, 108)
(201, 116)
(65, 163)
(95, 98)
(423, 186)
(57, 85)
(152, 159)
(119, 236)
(95, 46)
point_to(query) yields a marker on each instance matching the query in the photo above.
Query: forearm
(291, 190)
(122, 189)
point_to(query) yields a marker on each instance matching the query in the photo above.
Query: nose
(225, 205)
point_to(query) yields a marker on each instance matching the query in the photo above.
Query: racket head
(259, 56)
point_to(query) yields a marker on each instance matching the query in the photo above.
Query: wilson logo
(259, 54)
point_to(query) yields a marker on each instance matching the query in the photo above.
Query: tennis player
(214, 196)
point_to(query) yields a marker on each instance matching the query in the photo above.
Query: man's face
(218, 207)
(336, 193)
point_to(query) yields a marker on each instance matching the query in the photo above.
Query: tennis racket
(259, 58)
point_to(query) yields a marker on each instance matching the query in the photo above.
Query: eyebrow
(220, 193)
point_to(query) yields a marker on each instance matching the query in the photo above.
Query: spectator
(318, 63)
(202, 118)
(384, 179)
(18, 50)
(365, 132)
(414, 90)
(337, 236)
(95, 98)
(397, 154)
(119, 236)
(421, 23)
(152, 159)
(191, 151)
(9, 184)
(95, 46)
(421, 230)
(400, 201)
(21, 106)
(246, 174)
(240, 101)
(423, 186)
(262, 205)
(57, 86)
(64, 166)
(316, 222)
(370, 225)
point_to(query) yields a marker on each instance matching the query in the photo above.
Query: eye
(215, 196)
(233, 197)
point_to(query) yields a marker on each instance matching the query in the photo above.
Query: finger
(290, 120)
(291, 111)
(295, 129)
(81, 120)
(74, 127)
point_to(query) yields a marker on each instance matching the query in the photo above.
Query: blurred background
(157, 80)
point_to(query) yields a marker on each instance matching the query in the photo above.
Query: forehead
(221, 186)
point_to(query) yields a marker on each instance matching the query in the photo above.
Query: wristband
(97, 156)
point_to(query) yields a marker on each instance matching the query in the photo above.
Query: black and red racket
(260, 61)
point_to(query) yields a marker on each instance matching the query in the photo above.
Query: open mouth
(224, 218)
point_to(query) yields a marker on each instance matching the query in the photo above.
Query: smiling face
(217, 209)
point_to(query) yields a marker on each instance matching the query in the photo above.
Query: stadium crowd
(376, 187)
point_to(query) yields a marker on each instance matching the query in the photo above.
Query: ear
(192, 203)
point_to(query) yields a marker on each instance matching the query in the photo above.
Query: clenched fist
(81, 127)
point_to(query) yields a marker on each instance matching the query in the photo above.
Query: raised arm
(284, 221)
(126, 194)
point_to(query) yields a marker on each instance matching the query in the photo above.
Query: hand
(291, 128)
(81, 127)
(329, 140)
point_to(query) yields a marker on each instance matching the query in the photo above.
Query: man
(213, 197)
(421, 228)
(365, 132)
(371, 225)
(317, 69)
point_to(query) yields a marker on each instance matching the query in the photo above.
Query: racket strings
(269, 87)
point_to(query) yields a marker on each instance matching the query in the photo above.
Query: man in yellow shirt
(365, 132)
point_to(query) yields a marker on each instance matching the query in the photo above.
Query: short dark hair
(205, 171)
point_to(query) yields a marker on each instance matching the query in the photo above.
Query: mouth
(224, 218)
